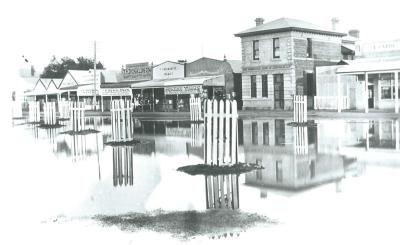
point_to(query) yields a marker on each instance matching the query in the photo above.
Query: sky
(156, 31)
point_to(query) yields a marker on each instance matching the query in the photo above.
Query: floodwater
(334, 182)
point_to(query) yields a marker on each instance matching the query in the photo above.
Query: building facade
(279, 60)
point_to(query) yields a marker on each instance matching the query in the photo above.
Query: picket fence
(300, 108)
(121, 121)
(64, 109)
(77, 116)
(195, 109)
(34, 111)
(49, 113)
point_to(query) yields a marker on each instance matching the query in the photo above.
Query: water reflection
(292, 157)
(222, 191)
(122, 165)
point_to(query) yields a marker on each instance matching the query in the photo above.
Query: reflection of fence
(63, 108)
(195, 109)
(331, 102)
(77, 116)
(49, 112)
(222, 191)
(123, 166)
(196, 134)
(221, 137)
(34, 111)
(300, 140)
(121, 120)
(78, 149)
(300, 108)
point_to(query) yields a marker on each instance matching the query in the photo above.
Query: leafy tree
(58, 68)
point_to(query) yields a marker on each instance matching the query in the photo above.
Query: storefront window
(387, 86)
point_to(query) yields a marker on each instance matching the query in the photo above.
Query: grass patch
(187, 224)
(304, 124)
(204, 169)
(63, 119)
(35, 123)
(82, 132)
(18, 118)
(46, 126)
(123, 143)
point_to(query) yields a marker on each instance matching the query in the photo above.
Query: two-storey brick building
(279, 59)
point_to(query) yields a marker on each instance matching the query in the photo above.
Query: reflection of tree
(123, 165)
(222, 191)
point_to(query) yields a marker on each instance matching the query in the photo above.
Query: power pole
(94, 68)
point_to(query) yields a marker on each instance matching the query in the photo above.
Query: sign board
(116, 91)
(169, 70)
(87, 92)
(137, 72)
(188, 89)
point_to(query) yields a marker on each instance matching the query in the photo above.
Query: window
(387, 85)
(256, 50)
(278, 171)
(265, 133)
(253, 86)
(254, 133)
(264, 86)
(276, 47)
(309, 48)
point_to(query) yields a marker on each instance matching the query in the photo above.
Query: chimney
(33, 71)
(354, 33)
(259, 21)
(334, 21)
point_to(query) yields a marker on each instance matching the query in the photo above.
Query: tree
(58, 68)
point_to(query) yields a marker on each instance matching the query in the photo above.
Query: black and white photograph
(200, 122)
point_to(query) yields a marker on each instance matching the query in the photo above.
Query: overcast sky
(155, 31)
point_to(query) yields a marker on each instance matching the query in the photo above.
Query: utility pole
(94, 68)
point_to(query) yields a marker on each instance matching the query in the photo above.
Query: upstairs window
(309, 48)
(256, 50)
(264, 85)
(253, 82)
(276, 47)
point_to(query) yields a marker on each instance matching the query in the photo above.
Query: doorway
(370, 96)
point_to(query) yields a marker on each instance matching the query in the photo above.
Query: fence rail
(34, 111)
(121, 120)
(77, 116)
(331, 102)
(300, 108)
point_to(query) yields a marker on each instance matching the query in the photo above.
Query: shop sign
(137, 72)
(189, 89)
(168, 70)
(116, 92)
(87, 92)
(381, 46)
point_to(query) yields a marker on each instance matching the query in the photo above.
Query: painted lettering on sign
(87, 92)
(137, 72)
(168, 70)
(116, 92)
(189, 89)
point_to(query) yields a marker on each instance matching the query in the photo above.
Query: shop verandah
(359, 87)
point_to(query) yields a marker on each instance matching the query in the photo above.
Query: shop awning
(216, 81)
(373, 67)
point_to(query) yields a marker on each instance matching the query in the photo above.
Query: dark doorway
(370, 96)
(278, 91)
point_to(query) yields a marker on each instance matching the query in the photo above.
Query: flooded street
(337, 179)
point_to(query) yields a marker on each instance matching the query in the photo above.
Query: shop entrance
(370, 96)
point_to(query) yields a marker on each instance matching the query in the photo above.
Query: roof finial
(224, 57)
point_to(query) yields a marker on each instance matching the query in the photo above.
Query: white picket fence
(221, 137)
(300, 140)
(122, 166)
(300, 108)
(64, 109)
(195, 109)
(34, 111)
(121, 121)
(77, 116)
(331, 102)
(196, 134)
(49, 113)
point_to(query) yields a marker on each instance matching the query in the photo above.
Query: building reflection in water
(222, 191)
(291, 156)
(122, 165)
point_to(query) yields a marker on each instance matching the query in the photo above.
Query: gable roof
(57, 82)
(46, 82)
(287, 24)
(236, 65)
